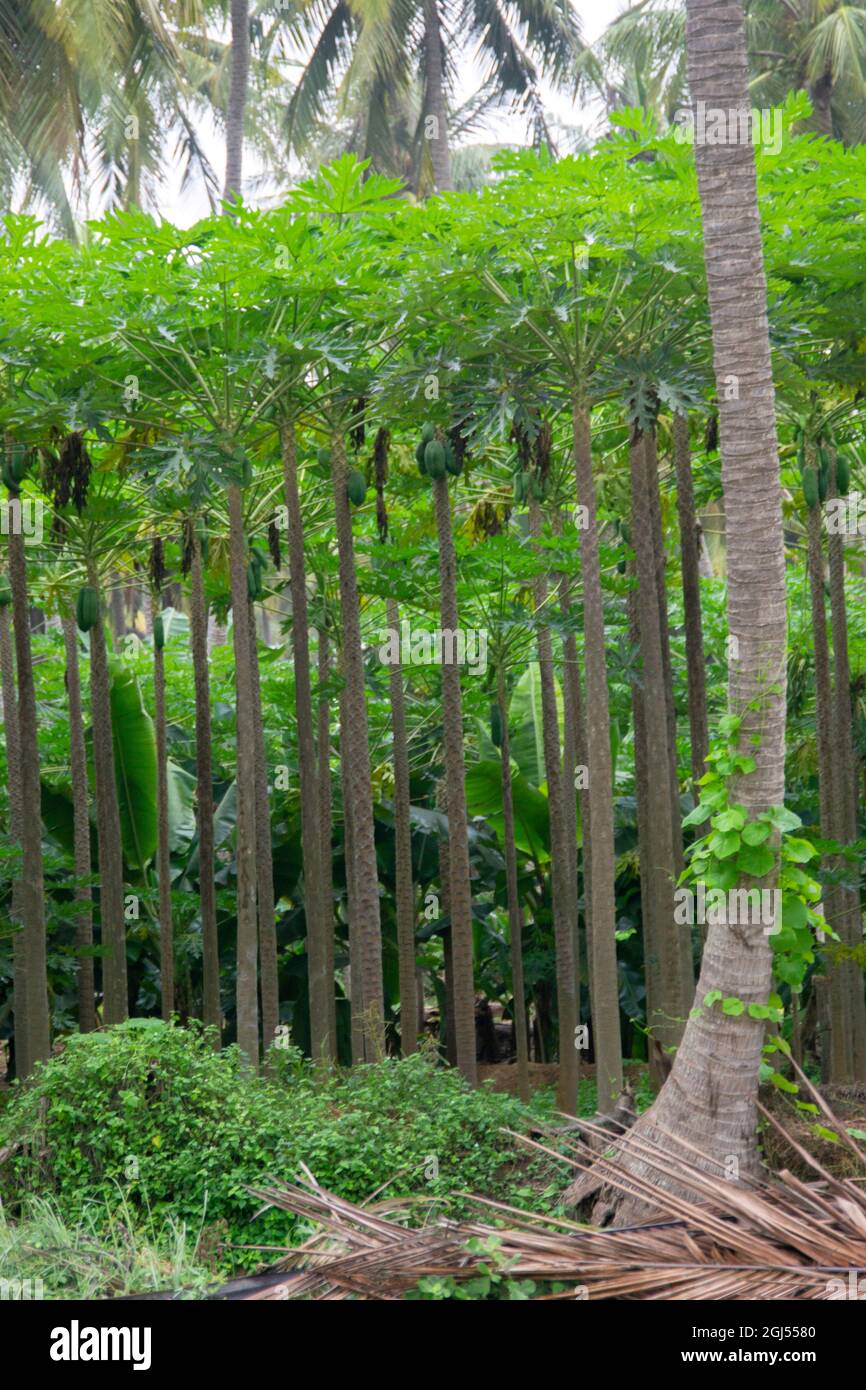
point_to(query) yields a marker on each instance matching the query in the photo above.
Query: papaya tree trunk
(690, 561)
(356, 951)
(687, 968)
(204, 793)
(563, 892)
(81, 833)
(515, 911)
(845, 810)
(355, 750)
(247, 933)
(13, 774)
(404, 887)
(269, 980)
(656, 1059)
(32, 898)
(163, 854)
(321, 985)
(111, 906)
(599, 858)
(450, 1038)
(326, 892)
(841, 1040)
(657, 871)
(460, 892)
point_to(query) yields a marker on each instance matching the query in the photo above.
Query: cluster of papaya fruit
(436, 457)
(815, 476)
(14, 468)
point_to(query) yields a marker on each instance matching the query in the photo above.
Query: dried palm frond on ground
(716, 1239)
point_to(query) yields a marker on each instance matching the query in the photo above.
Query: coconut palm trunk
(13, 773)
(709, 1099)
(355, 751)
(111, 905)
(238, 83)
(435, 108)
(321, 984)
(404, 888)
(515, 911)
(163, 853)
(247, 931)
(690, 561)
(198, 616)
(460, 891)
(81, 833)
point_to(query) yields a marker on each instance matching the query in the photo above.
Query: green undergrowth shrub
(151, 1116)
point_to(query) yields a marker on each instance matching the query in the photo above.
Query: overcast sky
(185, 208)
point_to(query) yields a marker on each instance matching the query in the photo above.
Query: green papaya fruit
(453, 464)
(18, 463)
(843, 475)
(434, 458)
(420, 449)
(323, 456)
(495, 725)
(158, 632)
(428, 433)
(810, 486)
(356, 487)
(254, 581)
(87, 608)
(5, 591)
(9, 481)
(537, 489)
(823, 480)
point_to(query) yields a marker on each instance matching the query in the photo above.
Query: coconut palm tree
(92, 90)
(709, 1099)
(383, 52)
(817, 46)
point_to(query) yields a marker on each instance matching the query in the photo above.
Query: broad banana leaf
(531, 818)
(525, 724)
(135, 767)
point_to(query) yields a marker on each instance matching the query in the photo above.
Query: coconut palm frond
(713, 1240)
(317, 80)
